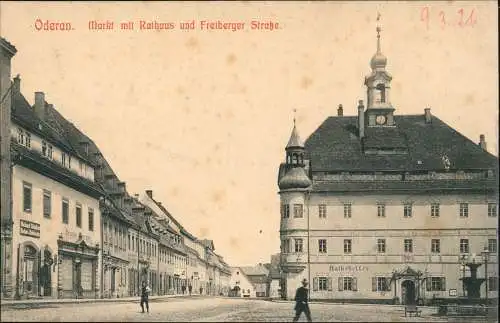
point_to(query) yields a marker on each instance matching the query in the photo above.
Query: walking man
(145, 296)
(301, 302)
(190, 288)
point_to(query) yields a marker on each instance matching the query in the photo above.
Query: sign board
(348, 268)
(28, 228)
(453, 292)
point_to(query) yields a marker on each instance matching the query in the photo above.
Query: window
(49, 152)
(285, 210)
(435, 246)
(434, 210)
(46, 204)
(322, 245)
(435, 284)
(323, 283)
(78, 213)
(381, 284)
(20, 136)
(348, 283)
(91, 221)
(27, 198)
(44, 148)
(492, 245)
(69, 161)
(464, 245)
(299, 243)
(492, 209)
(408, 244)
(28, 139)
(464, 210)
(381, 210)
(492, 284)
(407, 211)
(65, 211)
(347, 210)
(297, 211)
(381, 245)
(322, 210)
(347, 245)
(63, 158)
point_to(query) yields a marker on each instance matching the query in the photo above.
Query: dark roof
(24, 115)
(336, 147)
(5, 44)
(483, 185)
(34, 160)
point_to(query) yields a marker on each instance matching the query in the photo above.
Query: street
(208, 309)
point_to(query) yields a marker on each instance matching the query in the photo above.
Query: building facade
(381, 207)
(55, 206)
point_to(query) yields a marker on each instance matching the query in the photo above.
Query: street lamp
(463, 261)
(486, 256)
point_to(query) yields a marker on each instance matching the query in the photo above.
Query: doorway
(408, 292)
(77, 288)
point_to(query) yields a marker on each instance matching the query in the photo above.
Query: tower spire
(379, 61)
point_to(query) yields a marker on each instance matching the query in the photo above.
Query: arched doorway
(28, 270)
(408, 292)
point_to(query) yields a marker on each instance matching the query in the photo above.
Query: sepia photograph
(249, 161)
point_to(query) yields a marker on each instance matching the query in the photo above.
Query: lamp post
(486, 255)
(463, 260)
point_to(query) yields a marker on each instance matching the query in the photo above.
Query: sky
(201, 117)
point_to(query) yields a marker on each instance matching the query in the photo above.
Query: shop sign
(28, 228)
(348, 268)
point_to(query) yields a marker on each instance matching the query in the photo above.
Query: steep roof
(294, 140)
(335, 147)
(258, 270)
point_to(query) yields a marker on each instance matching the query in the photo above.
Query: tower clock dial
(380, 119)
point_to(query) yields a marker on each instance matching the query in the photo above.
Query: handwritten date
(461, 17)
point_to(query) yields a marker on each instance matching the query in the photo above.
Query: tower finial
(294, 114)
(378, 32)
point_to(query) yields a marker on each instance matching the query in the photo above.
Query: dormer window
(44, 148)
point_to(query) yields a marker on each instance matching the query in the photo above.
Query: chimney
(340, 111)
(428, 116)
(482, 142)
(149, 193)
(361, 119)
(16, 88)
(40, 105)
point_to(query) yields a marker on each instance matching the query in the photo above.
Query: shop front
(78, 269)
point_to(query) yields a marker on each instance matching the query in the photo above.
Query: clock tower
(379, 112)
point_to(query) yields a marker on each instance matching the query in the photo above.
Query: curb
(348, 304)
(41, 302)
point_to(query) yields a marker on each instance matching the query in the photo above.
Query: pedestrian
(201, 290)
(145, 296)
(183, 289)
(301, 302)
(190, 288)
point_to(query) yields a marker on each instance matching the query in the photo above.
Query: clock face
(380, 119)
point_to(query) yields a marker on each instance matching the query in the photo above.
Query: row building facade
(381, 207)
(70, 228)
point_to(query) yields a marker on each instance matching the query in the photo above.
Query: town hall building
(382, 207)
